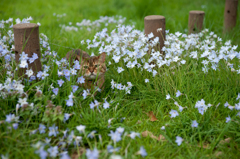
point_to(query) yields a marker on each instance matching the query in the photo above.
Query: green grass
(214, 87)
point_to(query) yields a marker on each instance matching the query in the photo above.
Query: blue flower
(42, 128)
(228, 119)
(85, 93)
(178, 93)
(142, 152)
(53, 151)
(53, 131)
(74, 88)
(66, 72)
(81, 80)
(31, 60)
(43, 154)
(15, 125)
(111, 149)
(179, 140)
(55, 91)
(39, 75)
(194, 124)
(66, 117)
(92, 134)
(10, 118)
(69, 102)
(115, 136)
(92, 154)
(64, 155)
(60, 82)
(35, 56)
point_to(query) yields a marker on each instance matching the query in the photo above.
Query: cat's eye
(85, 67)
(96, 65)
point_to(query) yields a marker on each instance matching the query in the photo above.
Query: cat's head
(94, 66)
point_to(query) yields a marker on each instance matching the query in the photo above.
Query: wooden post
(195, 21)
(26, 38)
(151, 24)
(230, 14)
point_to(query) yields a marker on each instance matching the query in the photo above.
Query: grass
(205, 141)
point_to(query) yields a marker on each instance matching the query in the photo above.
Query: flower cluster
(94, 24)
(122, 87)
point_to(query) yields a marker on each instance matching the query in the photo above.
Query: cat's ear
(102, 57)
(83, 58)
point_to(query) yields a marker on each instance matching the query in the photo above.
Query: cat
(92, 68)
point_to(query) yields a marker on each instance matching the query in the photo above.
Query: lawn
(182, 105)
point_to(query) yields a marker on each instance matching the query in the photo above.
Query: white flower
(134, 134)
(23, 64)
(106, 105)
(81, 128)
(120, 130)
(120, 69)
(146, 80)
(29, 72)
(168, 96)
(173, 113)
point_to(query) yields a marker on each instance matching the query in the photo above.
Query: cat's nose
(91, 70)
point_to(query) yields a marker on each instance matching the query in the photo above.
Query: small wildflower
(173, 113)
(74, 88)
(178, 93)
(115, 136)
(42, 128)
(15, 125)
(146, 80)
(228, 119)
(60, 82)
(111, 149)
(106, 105)
(92, 134)
(120, 69)
(92, 154)
(168, 96)
(69, 102)
(134, 134)
(81, 128)
(53, 151)
(81, 80)
(120, 130)
(53, 131)
(179, 140)
(55, 91)
(194, 124)
(142, 152)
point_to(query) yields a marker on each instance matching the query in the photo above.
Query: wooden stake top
(25, 26)
(196, 12)
(154, 17)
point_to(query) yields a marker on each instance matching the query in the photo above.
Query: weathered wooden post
(195, 21)
(26, 38)
(230, 14)
(151, 25)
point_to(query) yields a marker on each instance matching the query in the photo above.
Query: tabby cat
(92, 68)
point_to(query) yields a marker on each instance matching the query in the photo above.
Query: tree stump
(230, 14)
(151, 25)
(26, 38)
(195, 21)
